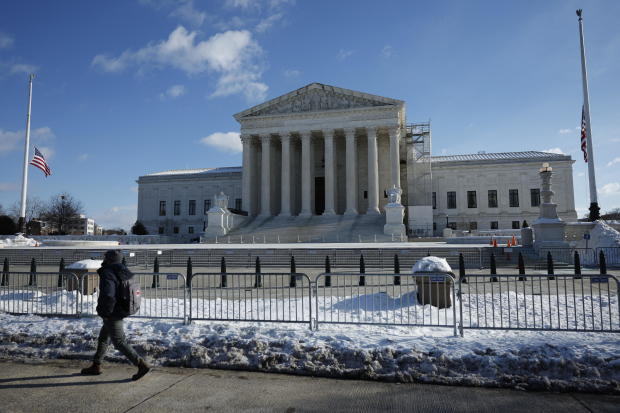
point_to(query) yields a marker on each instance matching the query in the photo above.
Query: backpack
(129, 296)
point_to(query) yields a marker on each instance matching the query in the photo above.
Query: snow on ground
(562, 361)
(18, 241)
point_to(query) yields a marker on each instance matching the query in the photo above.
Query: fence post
(362, 270)
(577, 262)
(61, 270)
(521, 267)
(328, 270)
(258, 282)
(123, 261)
(189, 273)
(462, 277)
(602, 263)
(293, 281)
(396, 270)
(5, 273)
(223, 277)
(493, 268)
(32, 281)
(155, 283)
(550, 265)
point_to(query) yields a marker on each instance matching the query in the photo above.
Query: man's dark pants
(113, 330)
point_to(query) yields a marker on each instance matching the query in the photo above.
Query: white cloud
(343, 54)
(22, 68)
(565, 131)
(613, 162)
(6, 41)
(242, 4)
(47, 151)
(173, 92)
(614, 140)
(122, 216)
(7, 186)
(555, 150)
(82, 157)
(188, 13)
(232, 54)
(581, 174)
(387, 51)
(292, 73)
(225, 141)
(611, 188)
(9, 140)
(266, 23)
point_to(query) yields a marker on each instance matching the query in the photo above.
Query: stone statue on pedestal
(548, 228)
(394, 214)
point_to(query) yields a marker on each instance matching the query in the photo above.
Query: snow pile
(91, 264)
(525, 360)
(432, 264)
(601, 236)
(18, 241)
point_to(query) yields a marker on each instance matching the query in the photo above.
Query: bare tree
(61, 211)
(35, 207)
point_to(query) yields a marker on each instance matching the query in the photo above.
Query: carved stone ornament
(221, 200)
(394, 195)
(316, 100)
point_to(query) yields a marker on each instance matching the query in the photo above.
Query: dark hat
(113, 257)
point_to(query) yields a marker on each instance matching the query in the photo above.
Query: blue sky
(125, 88)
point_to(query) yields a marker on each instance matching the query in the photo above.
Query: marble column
(395, 156)
(248, 168)
(330, 176)
(306, 174)
(265, 187)
(286, 175)
(351, 171)
(373, 173)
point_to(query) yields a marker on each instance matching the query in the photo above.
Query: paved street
(55, 386)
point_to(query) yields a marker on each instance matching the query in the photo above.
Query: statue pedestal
(549, 233)
(394, 215)
(217, 222)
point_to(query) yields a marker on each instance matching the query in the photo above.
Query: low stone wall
(122, 239)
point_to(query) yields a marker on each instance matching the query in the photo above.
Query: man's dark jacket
(110, 276)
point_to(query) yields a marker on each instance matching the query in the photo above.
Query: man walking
(111, 276)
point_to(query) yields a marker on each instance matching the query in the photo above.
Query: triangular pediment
(317, 97)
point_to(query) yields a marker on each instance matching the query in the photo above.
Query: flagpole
(22, 212)
(594, 208)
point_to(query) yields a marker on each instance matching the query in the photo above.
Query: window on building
(451, 199)
(473, 226)
(434, 200)
(365, 194)
(494, 225)
(434, 226)
(190, 230)
(492, 198)
(471, 199)
(177, 207)
(238, 203)
(191, 207)
(207, 206)
(175, 230)
(535, 195)
(160, 230)
(515, 225)
(513, 197)
(162, 208)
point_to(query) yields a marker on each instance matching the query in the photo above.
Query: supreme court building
(324, 151)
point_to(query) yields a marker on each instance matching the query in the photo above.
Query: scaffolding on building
(420, 187)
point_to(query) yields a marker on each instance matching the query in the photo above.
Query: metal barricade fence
(612, 255)
(386, 299)
(270, 297)
(39, 293)
(163, 295)
(581, 302)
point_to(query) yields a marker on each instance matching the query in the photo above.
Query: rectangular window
(513, 197)
(175, 230)
(471, 199)
(451, 200)
(535, 195)
(160, 230)
(238, 204)
(515, 224)
(434, 200)
(365, 194)
(177, 207)
(434, 226)
(492, 198)
(162, 208)
(207, 206)
(191, 207)
(473, 226)
(190, 230)
(494, 225)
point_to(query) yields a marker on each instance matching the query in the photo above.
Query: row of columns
(330, 169)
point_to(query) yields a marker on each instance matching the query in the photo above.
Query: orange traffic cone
(494, 242)
(491, 242)
(514, 240)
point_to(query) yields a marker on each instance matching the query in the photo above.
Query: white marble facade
(321, 150)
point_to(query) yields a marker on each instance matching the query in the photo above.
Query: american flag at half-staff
(38, 160)
(584, 135)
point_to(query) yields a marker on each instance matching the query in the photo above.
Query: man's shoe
(93, 370)
(143, 368)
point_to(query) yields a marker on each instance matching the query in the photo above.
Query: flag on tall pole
(584, 134)
(38, 160)
(21, 224)
(585, 124)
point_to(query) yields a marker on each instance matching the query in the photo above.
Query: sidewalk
(55, 386)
